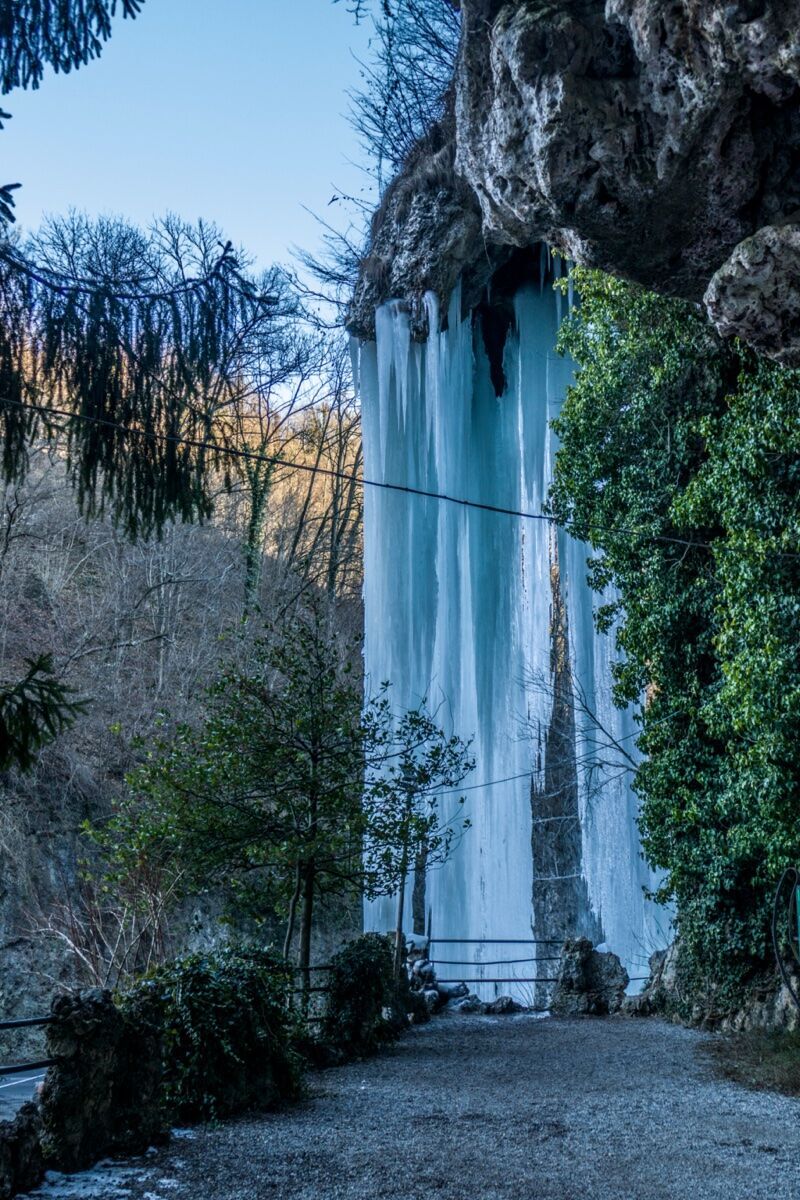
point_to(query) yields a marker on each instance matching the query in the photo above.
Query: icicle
(459, 607)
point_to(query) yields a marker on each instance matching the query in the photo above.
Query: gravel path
(514, 1108)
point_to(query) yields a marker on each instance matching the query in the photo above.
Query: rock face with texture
(105, 1094)
(590, 983)
(21, 1162)
(767, 1005)
(424, 237)
(657, 139)
(755, 295)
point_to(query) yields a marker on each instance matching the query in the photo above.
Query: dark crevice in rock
(495, 322)
(561, 905)
(494, 312)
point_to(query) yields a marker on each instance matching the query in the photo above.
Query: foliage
(678, 464)
(133, 627)
(134, 347)
(33, 711)
(274, 797)
(63, 34)
(225, 1031)
(409, 760)
(362, 987)
(263, 798)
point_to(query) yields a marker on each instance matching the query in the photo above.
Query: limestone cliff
(658, 139)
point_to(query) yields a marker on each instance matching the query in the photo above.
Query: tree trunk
(418, 895)
(290, 922)
(401, 899)
(254, 543)
(306, 925)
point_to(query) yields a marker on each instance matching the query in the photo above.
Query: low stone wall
(104, 1096)
(21, 1159)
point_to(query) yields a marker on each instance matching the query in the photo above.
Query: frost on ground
(110, 1181)
(138, 1179)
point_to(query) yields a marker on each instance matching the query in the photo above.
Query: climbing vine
(679, 464)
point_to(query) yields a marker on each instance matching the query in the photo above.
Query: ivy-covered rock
(365, 1010)
(206, 1036)
(225, 1029)
(105, 1094)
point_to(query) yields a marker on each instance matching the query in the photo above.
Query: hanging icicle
(461, 608)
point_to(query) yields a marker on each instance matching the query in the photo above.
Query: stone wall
(21, 1160)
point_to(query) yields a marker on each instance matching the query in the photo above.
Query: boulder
(661, 989)
(503, 1006)
(469, 1004)
(589, 983)
(755, 294)
(432, 1000)
(452, 991)
(21, 1161)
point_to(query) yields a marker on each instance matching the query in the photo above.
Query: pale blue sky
(232, 110)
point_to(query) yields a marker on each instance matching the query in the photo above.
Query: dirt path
(496, 1109)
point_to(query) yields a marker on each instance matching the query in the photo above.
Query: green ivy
(362, 995)
(226, 1032)
(679, 464)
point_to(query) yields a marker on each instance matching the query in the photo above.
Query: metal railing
(503, 962)
(39, 1064)
(499, 962)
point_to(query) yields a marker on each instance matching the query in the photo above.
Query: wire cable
(579, 530)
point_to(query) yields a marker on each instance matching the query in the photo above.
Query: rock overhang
(658, 141)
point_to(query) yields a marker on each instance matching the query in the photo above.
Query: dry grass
(761, 1061)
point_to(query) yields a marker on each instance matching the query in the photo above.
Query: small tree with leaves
(288, 792)
(410, 760)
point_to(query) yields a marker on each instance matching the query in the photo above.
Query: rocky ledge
(657, 140)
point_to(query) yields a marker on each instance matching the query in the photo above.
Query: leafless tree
(405, 85)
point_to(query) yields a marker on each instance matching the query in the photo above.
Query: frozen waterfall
(489, 616)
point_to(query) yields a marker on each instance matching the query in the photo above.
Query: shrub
(226, 1032)
(362, 989)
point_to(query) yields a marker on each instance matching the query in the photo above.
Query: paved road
(499, 1108)
(15, 1090)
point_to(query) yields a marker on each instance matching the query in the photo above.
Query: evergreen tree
(62, 34)
(33, 711)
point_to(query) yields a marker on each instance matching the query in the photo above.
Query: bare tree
(324, 549)
(406, 91)
(405, 86)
